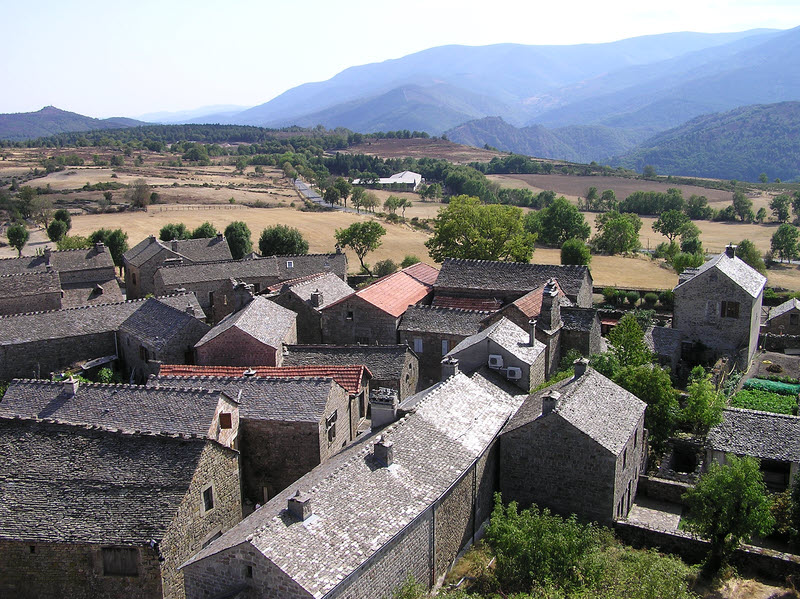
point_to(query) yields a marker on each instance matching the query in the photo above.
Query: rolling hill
(51, 120)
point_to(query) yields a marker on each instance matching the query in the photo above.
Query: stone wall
(474, 357)
(309, 320)
(30, 570)
(139, 281)
(179, 350)
(779, 343)
(455, 524)
(628, 467)
(39, 358)
(663, 489)
(430, 358)
(353, 320)
(38, 302)
(234, 347)
(782, 325)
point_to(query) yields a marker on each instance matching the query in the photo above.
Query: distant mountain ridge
(51, 120)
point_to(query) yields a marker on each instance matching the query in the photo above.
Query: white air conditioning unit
(495, 361)
(514, 373)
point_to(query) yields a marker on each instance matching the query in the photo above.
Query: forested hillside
(50, 121)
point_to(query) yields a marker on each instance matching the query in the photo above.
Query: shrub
(575, 251)
(632, 297)
(754, 399)
(409, 260)
(609, 295)
(384, 267)
(650, 299)
(667, 299)
(56, 230)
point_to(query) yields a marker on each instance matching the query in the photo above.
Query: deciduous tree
(18, 236)
(671, 224)
(362, 237)
(172, 231)
(748, 253)
(784, 242)
(238, 236)
(743, 206)
(57, 230)
(205, 231)
(617, 233)
(116, 241)
(139, 194)
(557, 223)
(282, 239)
(780, 206)
(575, 251)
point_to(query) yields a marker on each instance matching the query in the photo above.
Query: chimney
(549, 401)
(299, 505)
(316, 298)
(250, 372)
(580, 367)
(174, 245)
(532, 332)
(220, 237)
(383, 406)
(99, 247)
(70, 386)
(338, 249)
(550, 313)
(384, 451)
(190, 309)
(47, 253)
(449, 367)
(730, 250)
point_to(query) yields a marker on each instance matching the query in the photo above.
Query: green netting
(772, 386)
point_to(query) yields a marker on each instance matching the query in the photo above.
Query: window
(133, 278)
(418, 345)
(350, 315)
(445, 347)
(143, 353)
(330, 425)
(120, 561)
(624, 458)
(208, 498)
(729, 310)
(248, 572)
(636, 438)
(225, 420)
(289, 264)
(794, 319)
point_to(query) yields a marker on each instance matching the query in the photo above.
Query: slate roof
(508, 336)
(433, 447)
(349, 377)
(284, 399)
(736, 270)
(394, 293)
(508, 276)
(664, 341)
(262, 319)
(195, 250)
(332, 288)
(792, 304)
(591, 403)
(73, 322)
(383, 361)
(763, 435)
(448, 321)
(309, 264)
(65, 261)
(467, 303)
(68, 484)
(157, 324)
(578, 319)
(115, 408)
(34, 282)
(84, 294)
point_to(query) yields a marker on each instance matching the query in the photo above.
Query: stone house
(372, 315)
(508, 281)
(72, 526)
(508, 350)
(423, 486)
(34, 345)
(719, 306)
(158, 333)
(665, 343)
(287, 426)
(209, 279)
(307, 297)
(432, 332)
(772, 438)
(575, 447)
(784, 319)
(253, 336)
(37, 291)
(143, 260)
(394, 367)
(581, 331)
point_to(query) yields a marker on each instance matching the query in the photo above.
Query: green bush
(754, 399)
(650, 299)
(632, 297)
(667, 299)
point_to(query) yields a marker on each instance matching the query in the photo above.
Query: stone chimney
(70, 386)
(174, 245)
(580, 367)
(550, 314)
(730, 250)
(220, 237)
(549, 401)
(532, 332)
(383, 406)
(99, 247)
(338, 249)
(449, 367)
(384, 451)
(299, 505)
(190, 309)
(316, 298)
(47, 254)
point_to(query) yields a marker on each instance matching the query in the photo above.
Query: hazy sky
(121, 58)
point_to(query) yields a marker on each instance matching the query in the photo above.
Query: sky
(121, 58)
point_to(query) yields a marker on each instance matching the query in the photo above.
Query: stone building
(508, 281)
(143, 260)
(784, 319)
(508, 350)
(30, 292)
(158, 333)
(772, 438)
(34, 345)
(287, 426)
(209, 279)
(581, 331)
(575, 447)
(432, 332)
(394, 367)
(107, 489)
(253, 336)
(665, 343)
(372, 315)
(422, 486)
(719, 306)
(307, 297)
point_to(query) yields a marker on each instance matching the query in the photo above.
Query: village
(282, 434)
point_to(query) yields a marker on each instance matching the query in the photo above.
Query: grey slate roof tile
(430, 319)
(332, 288)
(27, 283)
(262, 319)
(157, 323)
(792, 304)
(763, 435)
(507, 335)
(578, 319)
(85, 294)
(383, 361)
(194, 250)
(64, 261)
(735, 269)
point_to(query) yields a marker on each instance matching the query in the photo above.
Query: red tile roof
(290, 282)
(467, 303)
(349, 377)
(530, 304)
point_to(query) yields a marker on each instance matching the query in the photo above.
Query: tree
(761, 215)
(762, 178)
(575, 251)
(697, 208)
(409, 260)
(627, 340)
(17, 237)
(357, 198)
(671, 224)
(282, 239)
(591, 198)
(63, 215)
(748, 253)
(41, 209)
(56, 230)
(728, 505)
(362, 238)
(784, 242)
(557, 223)
(743, 206)
(238, 236)
(617, 233)
(205, 231)
(796, 204)
(649, 171)
(26, 199)
(405, 203)
(331, 196)
(466, 228)
(431, 192)
(653, 386)
(370, 201)
(344, 188)
(608, 200)
(384, 267)
(139, 194)
(704, 404)
(392, 203)
(116, 241)
(780, 206)
(173, 231)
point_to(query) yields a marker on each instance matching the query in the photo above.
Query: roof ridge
(128, 386)
(232, 378)
(451, 309)
(764, 413)
(108, 429)
(90, 306)
(25, 273)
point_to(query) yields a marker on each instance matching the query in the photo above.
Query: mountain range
(51, 120)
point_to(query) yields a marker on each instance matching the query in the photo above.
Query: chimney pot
(47, 253)
(299, 505)
(449, 367)
(316, 298)
(730, 250)
(383, 406)
(174, 245)
(580, 367)
(532, 332)
(100, 247)
(384, 451)
(219, 236)
(70, 386)
(190, 309)
(549, 401)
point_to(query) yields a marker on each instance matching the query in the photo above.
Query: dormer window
(289, 264)
(225, 420)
